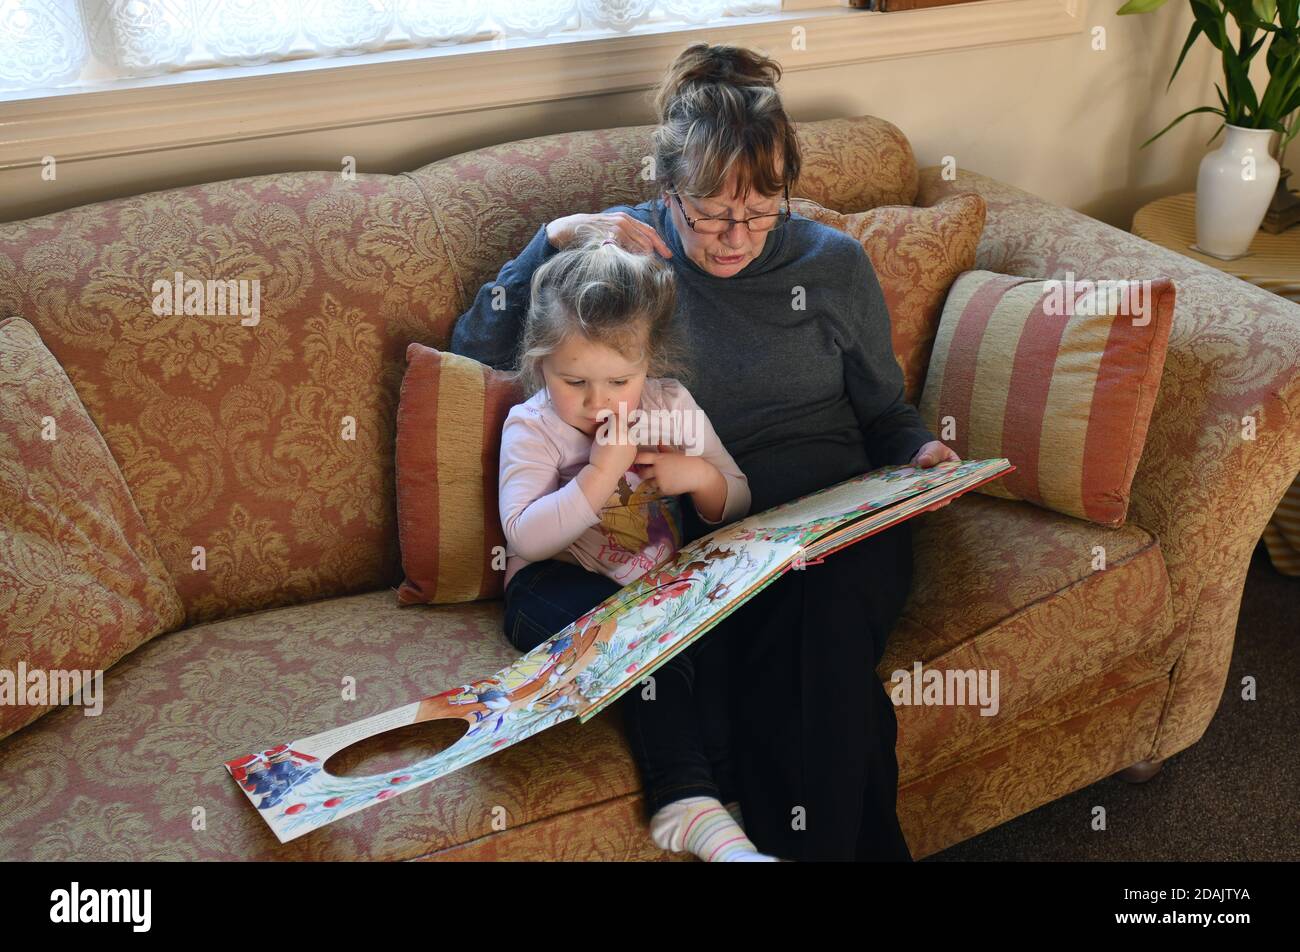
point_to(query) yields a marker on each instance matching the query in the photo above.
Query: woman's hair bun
(720, 114)
(702, 64)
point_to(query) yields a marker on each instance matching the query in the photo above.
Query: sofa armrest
(1201, 488)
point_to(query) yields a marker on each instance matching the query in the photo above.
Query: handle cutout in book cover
(580, 669)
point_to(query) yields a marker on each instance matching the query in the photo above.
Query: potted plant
(1235, 183)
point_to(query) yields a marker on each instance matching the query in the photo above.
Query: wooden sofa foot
(1140, 772)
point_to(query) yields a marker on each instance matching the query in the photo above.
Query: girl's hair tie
(609, 241)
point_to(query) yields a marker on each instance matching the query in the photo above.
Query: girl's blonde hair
(719, 112)
(610, 296)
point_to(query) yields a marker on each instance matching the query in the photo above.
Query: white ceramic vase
(1234, 186)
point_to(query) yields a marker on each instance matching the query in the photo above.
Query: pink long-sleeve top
(546, 515)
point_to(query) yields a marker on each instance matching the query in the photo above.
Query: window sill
(225, 105)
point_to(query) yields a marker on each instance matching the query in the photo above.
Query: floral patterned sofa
(227, 434)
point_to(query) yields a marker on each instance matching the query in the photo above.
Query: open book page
(648, 622)
(928, 493)
(582, 669)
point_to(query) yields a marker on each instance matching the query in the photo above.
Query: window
(53, 43)
(71, 94)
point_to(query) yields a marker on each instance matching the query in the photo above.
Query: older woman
(790, 355)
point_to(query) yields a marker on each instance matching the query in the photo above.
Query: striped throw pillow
(449, 420)
(1057, 376)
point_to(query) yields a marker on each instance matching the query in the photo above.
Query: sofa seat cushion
(126, 784)
(1004, 585)
(998, 584)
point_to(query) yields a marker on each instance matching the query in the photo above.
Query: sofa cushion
(1061, 385)
(1064, 610)
(81, 583)
(269, 444)
(449, 425)
(917, 254)
(998, 584)
(125, 784)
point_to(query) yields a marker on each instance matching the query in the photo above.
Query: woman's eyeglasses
(758, 223)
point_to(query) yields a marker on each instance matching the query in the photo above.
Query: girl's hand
(674, 471)
(614, 456)
(631, 234)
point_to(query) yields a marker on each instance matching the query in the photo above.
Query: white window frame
(231, 104)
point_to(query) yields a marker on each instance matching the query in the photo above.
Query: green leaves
(1212, 21)
(1258, 22)
(1192, 34)
(1178, 120)
(1141, 6)
(1265, 10)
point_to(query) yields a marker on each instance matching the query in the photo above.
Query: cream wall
(1051, 116)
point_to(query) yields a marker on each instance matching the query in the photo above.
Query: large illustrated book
(616, 646)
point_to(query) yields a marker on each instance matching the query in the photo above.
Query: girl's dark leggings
(778, 705)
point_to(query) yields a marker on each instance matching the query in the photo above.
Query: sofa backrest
(487, 204)
(261, 454)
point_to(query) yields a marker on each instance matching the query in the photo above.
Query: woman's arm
(489, 331)
(538, 519)
(892, 428)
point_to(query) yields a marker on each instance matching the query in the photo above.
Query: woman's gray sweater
(791, 357)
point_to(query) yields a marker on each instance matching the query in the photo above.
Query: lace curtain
(45, 43)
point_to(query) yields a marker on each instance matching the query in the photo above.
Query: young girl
(585, 507)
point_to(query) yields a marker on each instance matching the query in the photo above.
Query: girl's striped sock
(703, 826)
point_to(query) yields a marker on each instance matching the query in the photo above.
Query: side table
(1272, 262)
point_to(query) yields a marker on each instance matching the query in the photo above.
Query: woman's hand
(933, 453)
(631, 234)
